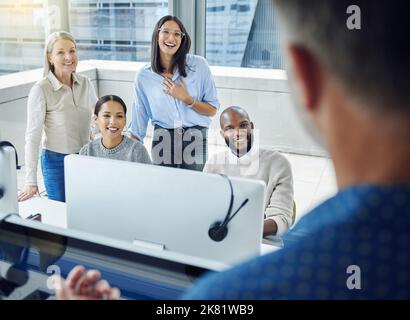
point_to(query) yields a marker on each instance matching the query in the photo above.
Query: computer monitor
(165, 208)
(31, 252)
(8, 181)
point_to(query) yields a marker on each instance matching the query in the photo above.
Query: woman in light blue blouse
(176, 91)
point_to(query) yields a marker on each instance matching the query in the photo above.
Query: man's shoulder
(219, 154)
(344, 231)
(274, 159)
(259, 278)
(217, 160)
(272, 155)
(361, 207)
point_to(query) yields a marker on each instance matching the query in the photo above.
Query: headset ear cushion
(218, 231)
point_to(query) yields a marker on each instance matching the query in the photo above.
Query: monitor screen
(165, 209)
(29, 255)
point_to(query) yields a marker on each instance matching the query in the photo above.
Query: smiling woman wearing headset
(176, 91)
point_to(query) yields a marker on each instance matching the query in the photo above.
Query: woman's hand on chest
(177, 89)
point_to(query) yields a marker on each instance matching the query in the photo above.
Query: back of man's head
(372, 62)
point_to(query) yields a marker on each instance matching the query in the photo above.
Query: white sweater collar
(246, 159)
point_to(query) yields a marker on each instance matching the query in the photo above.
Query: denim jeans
(52, 166)
(184, 148)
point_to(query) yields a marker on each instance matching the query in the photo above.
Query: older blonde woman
(60, 106)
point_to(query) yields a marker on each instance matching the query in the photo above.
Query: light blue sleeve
(209, 93)
(140, 111)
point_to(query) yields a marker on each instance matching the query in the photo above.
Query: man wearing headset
(244, 158)
(353, 86)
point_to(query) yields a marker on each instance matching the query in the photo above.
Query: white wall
(263, 93)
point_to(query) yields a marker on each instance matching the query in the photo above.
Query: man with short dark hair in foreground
(352, 79)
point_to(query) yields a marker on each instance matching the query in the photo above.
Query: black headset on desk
(219, 230)
(8, 144)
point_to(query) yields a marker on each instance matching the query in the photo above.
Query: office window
(22, 34)
(242, 33)
(115, 29)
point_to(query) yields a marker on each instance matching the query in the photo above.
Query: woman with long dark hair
(110, 115)
(176, 91)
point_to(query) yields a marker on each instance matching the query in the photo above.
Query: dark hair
(372, 62)
(179, 58)
(106, 98)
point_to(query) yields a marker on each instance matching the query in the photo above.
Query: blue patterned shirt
(152, 103)
(353, 246)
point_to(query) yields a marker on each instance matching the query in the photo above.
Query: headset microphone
(218, 231)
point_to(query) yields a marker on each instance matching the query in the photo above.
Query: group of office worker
(176, 91)
(352, 92)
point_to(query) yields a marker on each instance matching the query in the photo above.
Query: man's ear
(252, 126)
(222, 133)
(307, 73)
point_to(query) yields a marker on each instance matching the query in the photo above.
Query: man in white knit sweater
(243, 158)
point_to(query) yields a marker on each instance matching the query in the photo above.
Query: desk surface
(54, 213)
